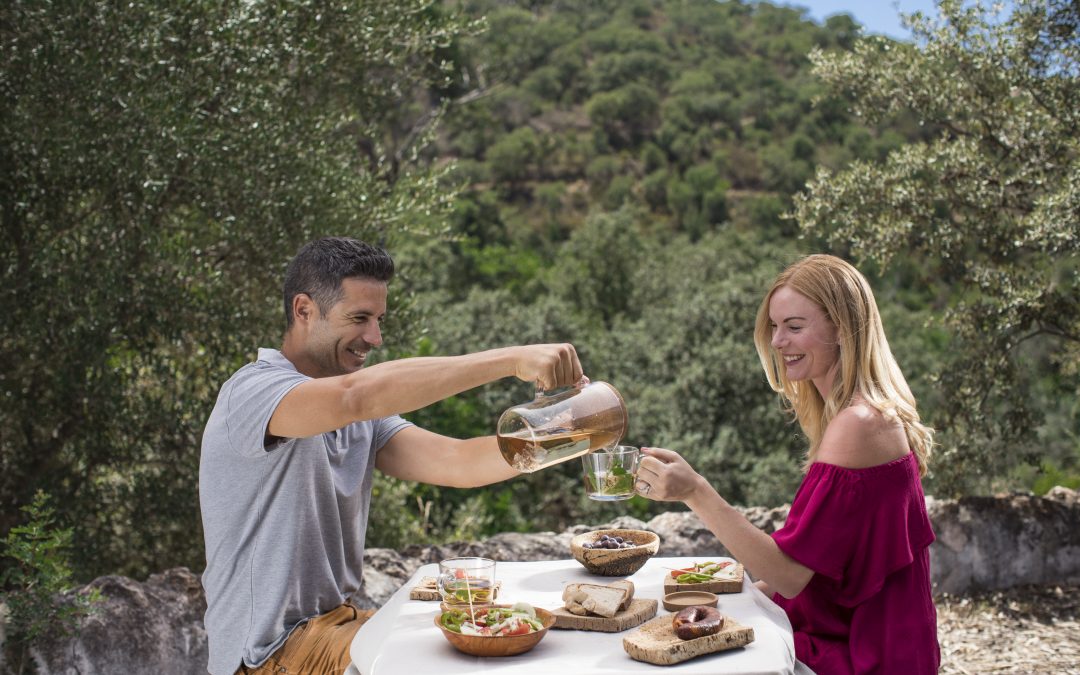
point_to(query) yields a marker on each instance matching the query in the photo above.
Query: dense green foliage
(161, 163)
(989, 211)
(625, 171)
(612, 173)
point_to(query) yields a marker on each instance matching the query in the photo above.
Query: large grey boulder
(151, 627)
(999, 542)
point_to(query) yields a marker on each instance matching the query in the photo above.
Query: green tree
(31, 587)
(611, 71)
(595, 268)
(513, 157)
(160, 162)
(988, 209)
(626, 114)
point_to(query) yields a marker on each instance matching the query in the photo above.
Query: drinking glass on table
(465, 581)
(610, 474)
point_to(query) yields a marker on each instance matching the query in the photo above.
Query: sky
(877, 16)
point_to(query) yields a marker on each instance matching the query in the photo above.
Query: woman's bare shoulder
(861, 436)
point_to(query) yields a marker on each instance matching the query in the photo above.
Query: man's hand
(550, 366)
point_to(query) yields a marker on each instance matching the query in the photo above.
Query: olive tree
(987, 210)
(161, 163)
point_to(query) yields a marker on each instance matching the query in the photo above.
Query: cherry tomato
(520, 628)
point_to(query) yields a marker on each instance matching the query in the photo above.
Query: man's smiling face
(338, 342)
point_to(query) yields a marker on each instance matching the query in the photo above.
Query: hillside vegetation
(626, 175)
(623, 171)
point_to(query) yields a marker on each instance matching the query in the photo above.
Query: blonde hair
(866, 367)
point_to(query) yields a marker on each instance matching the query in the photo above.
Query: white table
(402, 639)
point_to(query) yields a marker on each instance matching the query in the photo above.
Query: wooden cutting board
(639, 611)
(656, 642)
(718, 586)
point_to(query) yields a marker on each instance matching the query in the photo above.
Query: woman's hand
(663, 475)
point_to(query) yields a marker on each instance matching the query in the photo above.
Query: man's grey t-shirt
(284, 524)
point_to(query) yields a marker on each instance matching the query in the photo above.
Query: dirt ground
(1022, 630)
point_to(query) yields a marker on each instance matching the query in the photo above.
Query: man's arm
(417, 454)
(395, 387)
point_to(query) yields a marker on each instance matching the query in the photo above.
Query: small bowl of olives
(614, 553)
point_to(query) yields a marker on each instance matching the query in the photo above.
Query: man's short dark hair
(320, 266)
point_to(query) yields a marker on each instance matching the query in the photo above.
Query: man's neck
(290, 349)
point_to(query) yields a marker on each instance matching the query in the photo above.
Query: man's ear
(304, 308)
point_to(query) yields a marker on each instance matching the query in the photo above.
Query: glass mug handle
(541, 392)
(446, 583)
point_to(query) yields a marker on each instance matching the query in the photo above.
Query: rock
(3, 633)
(683, 534)
(385, 571)
(1064, 495)
(625, 523)
(768, 520)
(986, 543)
(155, 626)
(528, 546)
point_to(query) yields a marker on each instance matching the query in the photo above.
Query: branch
(428, 119)
(1050, 330)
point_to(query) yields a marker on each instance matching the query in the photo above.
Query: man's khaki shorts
(318, 647)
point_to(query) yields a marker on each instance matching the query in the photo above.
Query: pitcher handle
(541, 392)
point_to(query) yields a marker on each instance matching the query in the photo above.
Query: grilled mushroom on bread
(697, 621)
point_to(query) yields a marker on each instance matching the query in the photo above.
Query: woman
(851, 565)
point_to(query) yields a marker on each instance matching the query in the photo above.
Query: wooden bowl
(484, 645)
(615, 562)
(673, 602)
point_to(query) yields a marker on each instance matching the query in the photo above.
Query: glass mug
(562, 425)
(610, 475)
(467, 582)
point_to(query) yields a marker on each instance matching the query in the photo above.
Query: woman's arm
(671, 478)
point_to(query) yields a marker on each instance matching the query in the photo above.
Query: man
(289, 451)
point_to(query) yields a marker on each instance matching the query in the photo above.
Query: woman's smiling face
(804, 337)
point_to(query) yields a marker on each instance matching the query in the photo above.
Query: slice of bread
(575, 608)
(600, 600)
(629, 586)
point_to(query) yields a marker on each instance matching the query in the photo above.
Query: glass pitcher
(565, 424)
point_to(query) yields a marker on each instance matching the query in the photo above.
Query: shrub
(32, 585)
